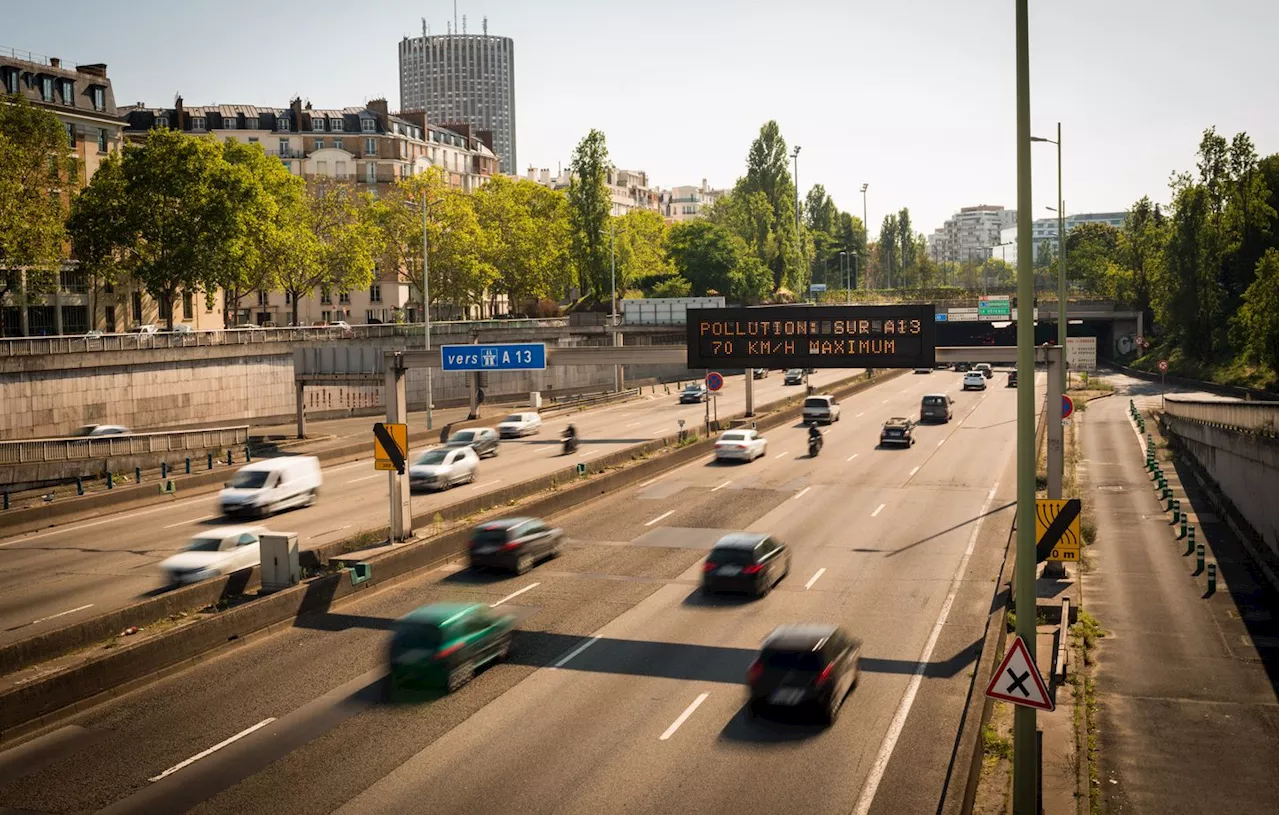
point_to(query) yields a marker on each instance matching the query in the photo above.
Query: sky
(914, 98)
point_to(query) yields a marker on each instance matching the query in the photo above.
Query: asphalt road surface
(60, 575)
(624, 690)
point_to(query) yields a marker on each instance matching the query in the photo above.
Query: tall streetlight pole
(1062, 247)
(795, 158)
(865, 228)
(613, 278)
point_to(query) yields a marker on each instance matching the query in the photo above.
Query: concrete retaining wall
(1243, 465)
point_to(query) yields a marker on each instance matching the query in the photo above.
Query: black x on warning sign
(1057, 529)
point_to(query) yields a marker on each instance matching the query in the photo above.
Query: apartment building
(628, 189)
(1044, 231)
(971, 234)
(82, 98)
(686, 203)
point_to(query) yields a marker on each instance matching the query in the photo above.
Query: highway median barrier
(111, 672)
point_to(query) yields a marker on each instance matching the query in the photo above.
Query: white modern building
(688, 202)
(628, 189)
(1045, 230)
(971, 234)
(464, 79)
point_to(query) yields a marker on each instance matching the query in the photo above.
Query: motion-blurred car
(1013, 380)
(150, 329)
(745, 563)
(181, 328)
(95, 334)
(444, 644)
(693, 393)
(214, 553)
(484, 440)
(821, 408)
(921, 370)
(805, 666)
(898, 430)
(514, 544)
(740, 445)
(759, 373)
(974, 380)
(520, 424)
(272, 485)
(936, 407)
(984, 368)
(102, 430)
(793, 376)
(443, 467)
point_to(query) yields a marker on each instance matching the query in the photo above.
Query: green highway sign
(993, 308)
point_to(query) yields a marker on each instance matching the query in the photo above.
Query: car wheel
(754, 708)
(504, 651)
(524, 563)
(461, 675)
(313, 497)
(555, 548)
(831, 711)
(764, 590)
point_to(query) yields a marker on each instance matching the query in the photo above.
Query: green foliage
(675, 286)
(640, 246)
(714, 260)
(771, 232)
(525, 238)
(1044, 256)
(590, 205)
(1254, 327)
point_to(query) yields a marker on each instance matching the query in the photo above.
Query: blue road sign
(715, 381)
(1068, 406)
(940, 318)
(514, 356)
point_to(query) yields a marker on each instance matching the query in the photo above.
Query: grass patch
(1222, 371)
(1088, 630)
(994, 744)
(1011, 620)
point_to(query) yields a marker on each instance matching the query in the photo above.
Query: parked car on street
(936, 407)
(740, 445)
(214, 553)
(804, 667)
(444, 644)
(95, 334)
(150, 329)
(516, 425)
(821, 408)
(745, 562)
(513, 544)
(484, 440)
(898, 430)
(443, 467)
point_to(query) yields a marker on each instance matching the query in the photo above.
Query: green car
(444, 644)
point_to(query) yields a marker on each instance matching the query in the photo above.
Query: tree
(34, 165)
(526, 234)
(820, 211)
(167, 215)
(1090, 248)
(713, 259)
(1140, 249)
(640, 244)
(590, 205)
(1254, 327)
(888, 250)
(768, 173)
(906, 241)
(1188, 307)
(1044, 255)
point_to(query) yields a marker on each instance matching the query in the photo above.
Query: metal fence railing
(82, 448)
(1253, 417)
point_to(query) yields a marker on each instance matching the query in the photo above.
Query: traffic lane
(121, 565)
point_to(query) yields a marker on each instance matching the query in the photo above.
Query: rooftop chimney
(54, 62)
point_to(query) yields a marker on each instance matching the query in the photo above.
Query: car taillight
(708, 566)
(445, 652)
(753, 568)
(754, 672)
(825, 675)
(510, 545)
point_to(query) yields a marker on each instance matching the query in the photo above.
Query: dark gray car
(747, 563)
(804, 667)
(484, 440)
(515, 544)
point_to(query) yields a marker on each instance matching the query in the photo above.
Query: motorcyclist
(570, 438)
(815, 435)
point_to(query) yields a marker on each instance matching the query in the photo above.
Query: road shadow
(960, 525)
(699, 599)
(472, 576)
(770, 729)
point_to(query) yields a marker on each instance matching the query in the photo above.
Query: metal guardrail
(1252, 417)
(81, 448)
(35, 346)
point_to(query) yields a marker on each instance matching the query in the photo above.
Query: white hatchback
(442, 467)
(519, 424)
(974, 380)
(740, 445)
(214, 553)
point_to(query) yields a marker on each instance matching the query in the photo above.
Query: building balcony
(286, 153)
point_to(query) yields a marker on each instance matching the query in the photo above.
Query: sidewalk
(1185, 681)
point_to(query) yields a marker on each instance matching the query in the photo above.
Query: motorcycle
(815, 444)
(570, 445)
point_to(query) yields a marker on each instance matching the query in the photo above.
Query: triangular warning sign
(1018, 681)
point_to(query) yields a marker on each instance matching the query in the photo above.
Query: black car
(484, 440)
(1013, 379)
(985, 368)
(804, 667)
(898, 430)
(515, 544)
(693, 393)
(745, 562)
(759, 373)
(922, 370)
(961, 367)
(793, 376)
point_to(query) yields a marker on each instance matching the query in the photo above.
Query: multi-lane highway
(60, 575)
(623, 692)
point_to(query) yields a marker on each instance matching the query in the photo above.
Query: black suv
(514, 543)
(805, 666)
(745, 562)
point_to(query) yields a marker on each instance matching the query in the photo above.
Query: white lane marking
(914, 470)
(877, 512)
(513, 595)
(365, 478)
(215, 748)
(852, 457)
(190, 521)
(940, 443)
(815, 577)
(584, 646)
(660, 517)
(860, 415)
(884, 402)
(487, 484)
(722, 486)
(908, 698)
(634, 424)
(780, 455)
(802, 492)
(702, 697)
(61, 614)
(112, 519)
(650, 481)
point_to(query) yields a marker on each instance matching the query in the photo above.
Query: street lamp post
(864, 216)
(1062, 246)
(613, 278)
(795, 158)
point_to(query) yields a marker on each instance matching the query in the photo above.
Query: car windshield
(415, 635)
(204, 545)
(514, 418)
(794, 372)
(693, 387)
(249, 479)
(432, 457)
(463, 435)
(490, 534)
(935, 400)
(816, 402)
(732, 556)
(793, 660)
(734, 437)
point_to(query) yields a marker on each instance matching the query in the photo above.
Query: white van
(271, 485)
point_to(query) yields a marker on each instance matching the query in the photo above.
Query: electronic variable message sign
(896, 336)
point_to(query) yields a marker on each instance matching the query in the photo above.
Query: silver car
(443, 467)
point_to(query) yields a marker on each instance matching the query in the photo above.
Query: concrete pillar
(302, 410)
(474, 379)
(24, 317)
(57, 307)
(397, 413)
(617, 369)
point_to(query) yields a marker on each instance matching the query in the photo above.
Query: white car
(150, 329)
(740, 445)
(443, 467)
(214, 553)
(519, 424)
(821, 408)
(974, 380)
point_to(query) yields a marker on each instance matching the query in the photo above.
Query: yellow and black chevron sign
(1058, 529)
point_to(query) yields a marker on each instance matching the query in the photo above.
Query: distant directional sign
(940, 317)
(715, 381)
(1018, 681)
(390, 445)
(515, 356)
(1057, 529)
(993, 307)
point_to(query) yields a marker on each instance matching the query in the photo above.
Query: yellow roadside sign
(390, 446)
(1058, 529)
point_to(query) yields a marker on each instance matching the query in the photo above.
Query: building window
(71, 134)
(228, 123)
(197, 123)
(370, 146)
(282, 124)
(46, 88)
(110, 314)
(326, 296)
(162, 122)
(335, 125)
(288, 299)
(284, 147)
(319, 144)
(188, 308)
(99, 98)
(375, 293)
(369, 125)
(326, 316)
(250, 124)
(337, 143)
(102, 140)
(264, 299)
(11, 80)
(317, 124)
(68, 93)
(137, 307)
(370, 172)
(344, 298)
(108, 288)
